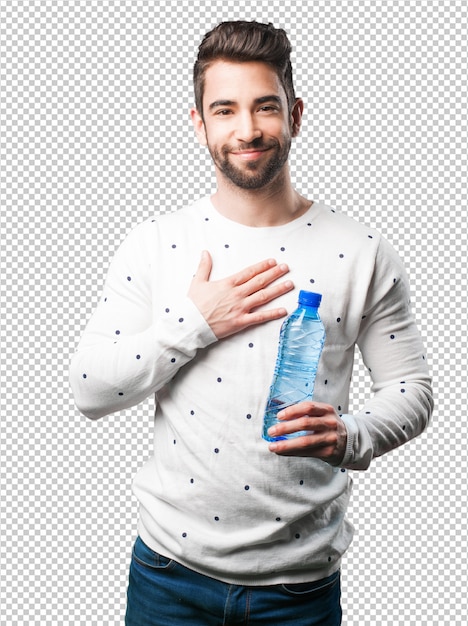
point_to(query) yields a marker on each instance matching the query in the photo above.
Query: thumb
(204, 268)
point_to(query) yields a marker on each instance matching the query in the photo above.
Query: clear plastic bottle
(300, 345)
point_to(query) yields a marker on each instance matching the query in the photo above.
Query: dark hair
(244, 41)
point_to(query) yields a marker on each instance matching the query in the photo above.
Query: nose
(247, 128)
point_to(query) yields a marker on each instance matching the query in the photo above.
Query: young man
(234, 530)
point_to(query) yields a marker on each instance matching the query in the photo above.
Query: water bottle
(300, 345)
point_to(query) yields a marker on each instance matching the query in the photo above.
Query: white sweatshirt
(213, 497)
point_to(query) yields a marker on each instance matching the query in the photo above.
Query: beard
(253, 175)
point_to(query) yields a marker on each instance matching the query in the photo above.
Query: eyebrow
(261, 100)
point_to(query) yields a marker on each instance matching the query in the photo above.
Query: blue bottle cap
(310, 298)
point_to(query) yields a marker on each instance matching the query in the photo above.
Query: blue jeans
(161, 592)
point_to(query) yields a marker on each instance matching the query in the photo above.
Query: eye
(223, 112)
(268, 108)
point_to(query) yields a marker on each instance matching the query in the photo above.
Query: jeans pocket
(310, 589)
(146, 557)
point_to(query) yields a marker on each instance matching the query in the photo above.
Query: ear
(296, 116)
(199, 126)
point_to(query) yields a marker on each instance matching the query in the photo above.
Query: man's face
(246, 124)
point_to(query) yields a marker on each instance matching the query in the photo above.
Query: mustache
(256, 144)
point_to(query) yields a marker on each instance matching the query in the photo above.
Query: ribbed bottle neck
(310, 312)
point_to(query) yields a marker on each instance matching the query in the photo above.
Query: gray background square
(96, 137)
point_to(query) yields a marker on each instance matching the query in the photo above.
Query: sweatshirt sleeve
(392, 350)
(128, 350)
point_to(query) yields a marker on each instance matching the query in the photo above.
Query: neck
(275, 204)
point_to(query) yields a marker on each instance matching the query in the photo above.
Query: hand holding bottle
(327, 437)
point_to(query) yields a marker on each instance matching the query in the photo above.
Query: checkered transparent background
(95, 137)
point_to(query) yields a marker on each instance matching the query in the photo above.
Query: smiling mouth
(249, 155)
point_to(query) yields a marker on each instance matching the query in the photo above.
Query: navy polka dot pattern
(208, 448)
